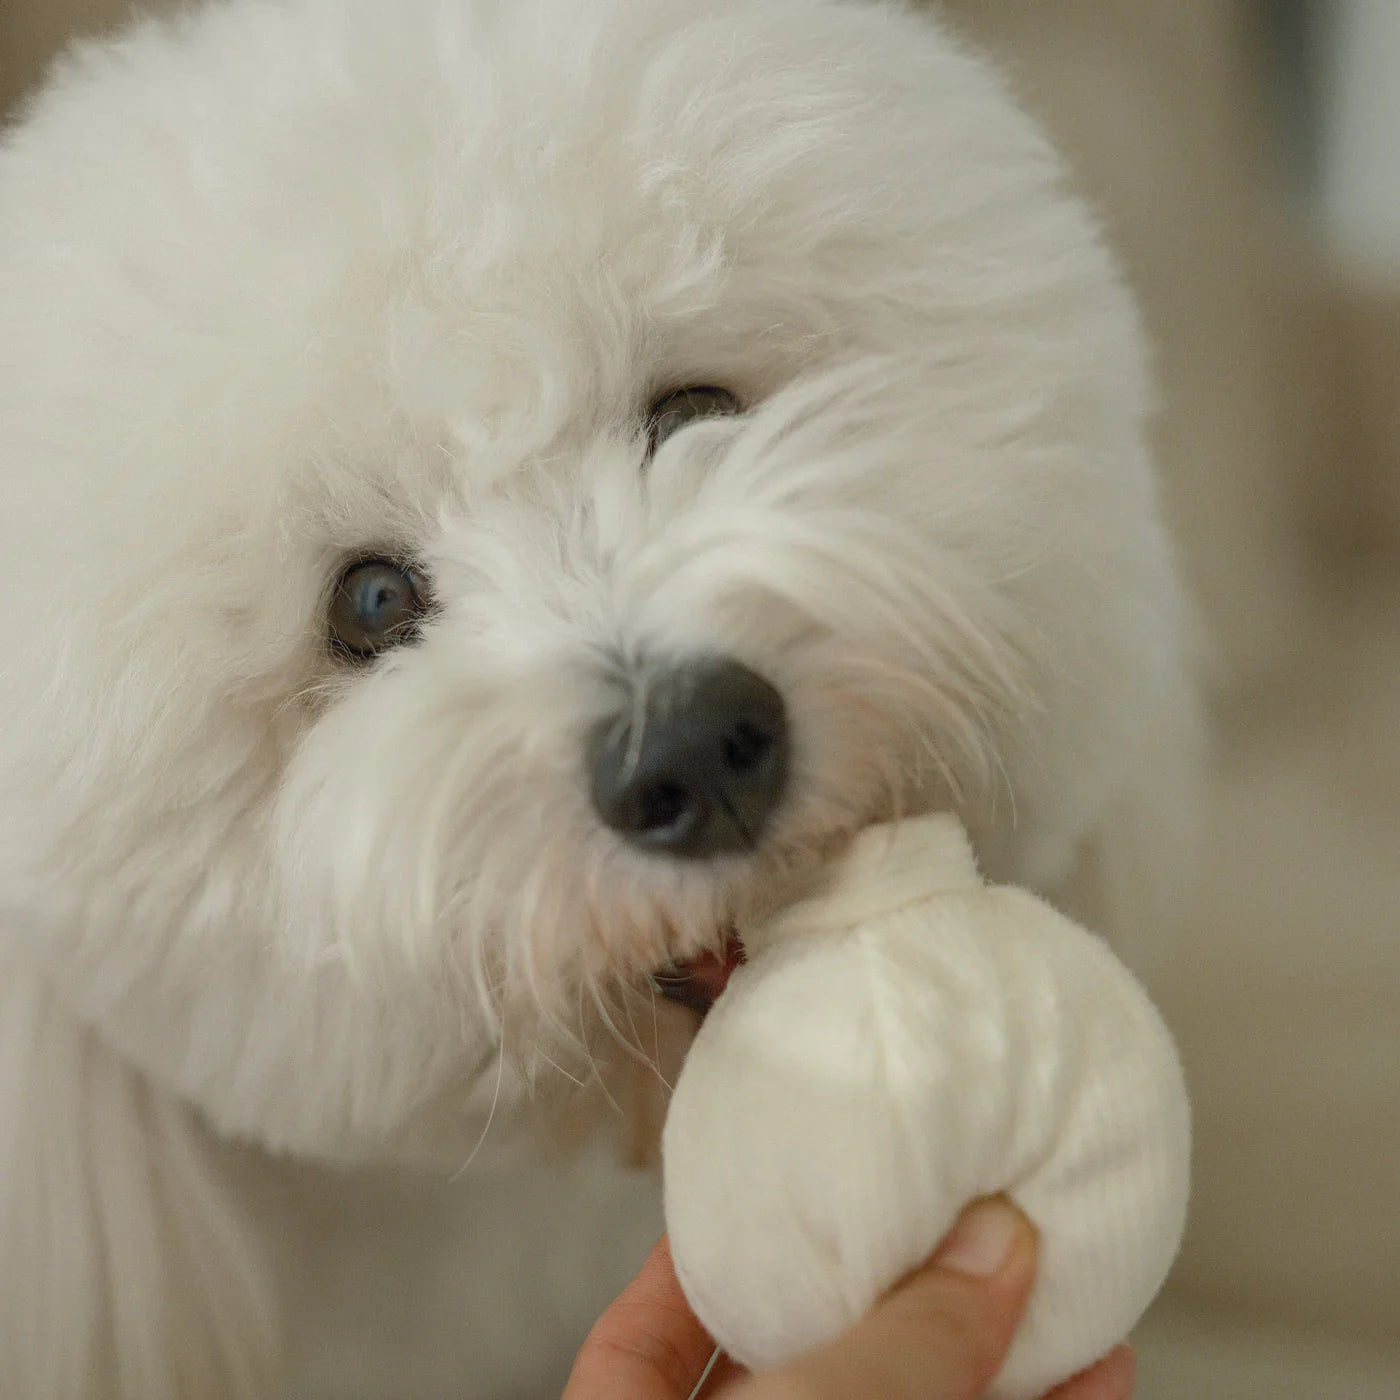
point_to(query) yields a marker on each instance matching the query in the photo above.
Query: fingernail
(982, 1240)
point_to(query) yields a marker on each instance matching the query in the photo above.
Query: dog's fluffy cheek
(202, 971)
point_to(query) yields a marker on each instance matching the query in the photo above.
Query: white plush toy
(903, 1041)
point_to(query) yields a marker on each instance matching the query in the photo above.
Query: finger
(940, 1336)
(1111, 1379)
(648, 1345)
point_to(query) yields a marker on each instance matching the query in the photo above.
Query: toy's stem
(705, 1374)
(886, 868)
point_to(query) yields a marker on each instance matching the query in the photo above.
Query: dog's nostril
(662, 804)
(705, 770)
(746, 746)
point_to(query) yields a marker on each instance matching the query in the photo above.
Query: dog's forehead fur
(283, 282)
(461, 210)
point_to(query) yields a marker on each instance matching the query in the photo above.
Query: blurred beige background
(1280, 442)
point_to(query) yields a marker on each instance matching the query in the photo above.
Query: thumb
(940, 1335)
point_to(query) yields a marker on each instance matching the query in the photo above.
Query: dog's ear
(125, 1270)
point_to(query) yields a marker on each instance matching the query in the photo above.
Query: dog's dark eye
(377, 605)
(670, 413)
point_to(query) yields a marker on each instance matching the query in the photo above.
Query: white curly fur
(285, 280)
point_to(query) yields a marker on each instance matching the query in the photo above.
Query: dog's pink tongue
(699, 982)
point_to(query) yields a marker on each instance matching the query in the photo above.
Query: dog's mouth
(698, 982)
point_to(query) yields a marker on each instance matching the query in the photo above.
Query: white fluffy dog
(493, 492)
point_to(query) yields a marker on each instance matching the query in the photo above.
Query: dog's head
(495, 492)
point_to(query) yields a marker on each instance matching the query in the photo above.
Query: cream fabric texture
(903, 1041)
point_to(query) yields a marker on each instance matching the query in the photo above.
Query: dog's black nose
(697, 767)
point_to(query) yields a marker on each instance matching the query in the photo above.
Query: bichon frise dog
(494, 492)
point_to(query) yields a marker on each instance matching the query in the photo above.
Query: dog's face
(496, 492)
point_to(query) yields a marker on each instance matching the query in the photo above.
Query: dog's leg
(126, 1272)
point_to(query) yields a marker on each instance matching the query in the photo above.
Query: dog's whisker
(491, 1112)
(655, 1059)
(655, 1027)
(633, 1050)
(599, 1079)
(650, 1058)
(559, 1069)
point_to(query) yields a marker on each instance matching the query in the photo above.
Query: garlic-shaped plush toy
(901, 1042)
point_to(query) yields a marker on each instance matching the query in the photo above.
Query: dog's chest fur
(479, 1289)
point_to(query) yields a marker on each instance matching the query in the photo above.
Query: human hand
(940, 1335)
